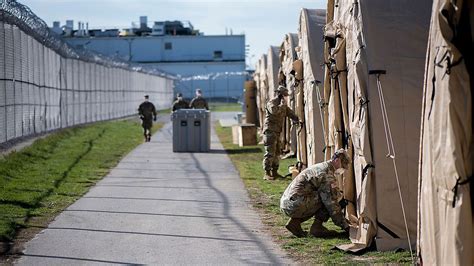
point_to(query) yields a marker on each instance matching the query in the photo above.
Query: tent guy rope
(391, 149)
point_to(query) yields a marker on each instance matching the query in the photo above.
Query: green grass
(266, 196)
(46, 177)
(164, 111)
(225, 107)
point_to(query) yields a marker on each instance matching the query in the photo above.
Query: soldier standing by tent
(180, 103)
(275, 113)
(199, 102)
(314, 193)
(147, 113)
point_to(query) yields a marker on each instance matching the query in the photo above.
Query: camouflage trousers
(272, 144)
(304, 207)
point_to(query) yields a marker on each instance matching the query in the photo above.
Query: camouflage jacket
(199, 102)
(319, 181)
(275, 114)
(147, 110)
(180, 105)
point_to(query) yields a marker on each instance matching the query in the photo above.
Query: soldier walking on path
(275, 113)
(147, 113)
(315, 193)
(199, 102)
(180, 103)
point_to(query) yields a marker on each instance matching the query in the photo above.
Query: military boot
(275, 174)
(268, 175)
(318, 230)
(294, 226)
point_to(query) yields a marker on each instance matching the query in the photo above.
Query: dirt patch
(15, 249)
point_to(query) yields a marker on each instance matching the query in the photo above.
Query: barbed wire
(213, 75)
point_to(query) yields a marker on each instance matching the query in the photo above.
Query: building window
(168, 46)
(217, 54)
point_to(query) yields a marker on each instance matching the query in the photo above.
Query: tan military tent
(256, 78)
(445, 222)
(369, 41)
(251, 116)
(310, 51)
(273, 67)
(261, 80)
(287, 57)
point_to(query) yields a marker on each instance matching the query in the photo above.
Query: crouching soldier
(314, 193)
(275, 113)
(147, 113)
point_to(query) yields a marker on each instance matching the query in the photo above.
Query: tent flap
(445, 223)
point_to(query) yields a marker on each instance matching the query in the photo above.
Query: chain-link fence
(46, 85)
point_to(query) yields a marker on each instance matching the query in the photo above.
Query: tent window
(168, 46)
(217, 54)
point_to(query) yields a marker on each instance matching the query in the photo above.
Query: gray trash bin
(191, 130)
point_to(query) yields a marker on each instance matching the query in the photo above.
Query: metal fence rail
(46, 85)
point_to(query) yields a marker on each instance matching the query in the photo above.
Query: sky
(264, 22)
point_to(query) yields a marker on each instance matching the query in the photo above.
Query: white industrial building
(214, 63)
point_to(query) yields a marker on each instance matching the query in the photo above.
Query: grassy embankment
(41, 180)
(266, 196)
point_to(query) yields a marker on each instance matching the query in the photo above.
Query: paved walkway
(160, 207)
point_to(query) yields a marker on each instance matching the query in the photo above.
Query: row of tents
(392, 83)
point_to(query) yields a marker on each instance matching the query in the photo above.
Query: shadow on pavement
(246, 231)
(129, 186)
(79, 259)
(153, 199)
(149, 234)
(150, 213)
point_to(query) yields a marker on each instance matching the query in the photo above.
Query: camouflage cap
(343, 156)
(282, 90)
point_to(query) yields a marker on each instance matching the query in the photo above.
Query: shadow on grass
(237, 151)
(336, 235)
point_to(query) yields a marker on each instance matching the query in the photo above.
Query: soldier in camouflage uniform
(198, 102)
(147, 113)
(314, 193)
(275, 113)
(180, 103)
